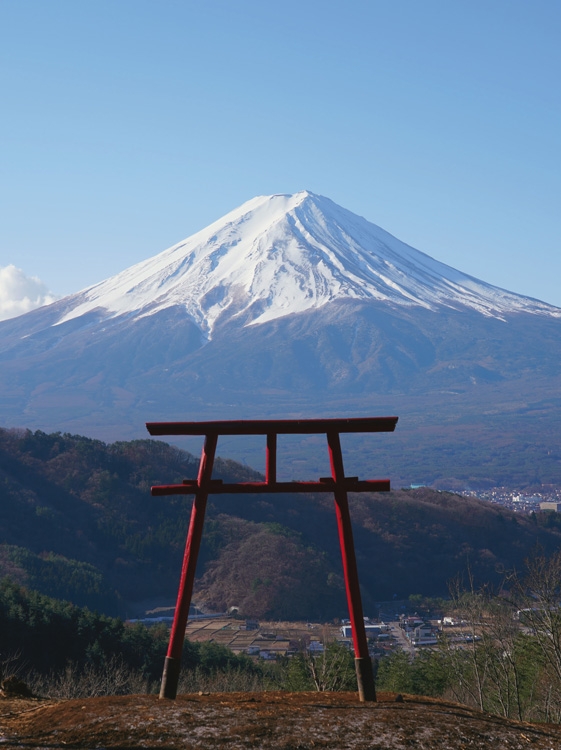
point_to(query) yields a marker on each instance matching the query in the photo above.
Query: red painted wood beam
(363, 664)
(217, 487)
(271, 459)
(170, 677)
(274, 426)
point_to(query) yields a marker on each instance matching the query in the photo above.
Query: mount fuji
(289, 305)
(284, 254)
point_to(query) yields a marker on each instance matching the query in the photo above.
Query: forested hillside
(77, 522)
(69, 651)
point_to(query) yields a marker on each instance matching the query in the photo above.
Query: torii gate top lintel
(274, 426)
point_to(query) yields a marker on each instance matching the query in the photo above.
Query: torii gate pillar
(338, 483)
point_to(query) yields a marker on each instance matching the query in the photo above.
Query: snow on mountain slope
(282, 254)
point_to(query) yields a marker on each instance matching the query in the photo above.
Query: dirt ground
(283, 721)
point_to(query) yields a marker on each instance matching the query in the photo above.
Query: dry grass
(283, 721)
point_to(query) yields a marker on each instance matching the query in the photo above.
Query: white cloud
(20, 293)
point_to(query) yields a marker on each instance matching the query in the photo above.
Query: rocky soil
(283, 721)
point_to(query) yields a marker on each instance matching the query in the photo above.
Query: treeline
(50, 643)
(505, 655)
(56, 576)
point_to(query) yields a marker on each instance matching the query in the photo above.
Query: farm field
(277, 638)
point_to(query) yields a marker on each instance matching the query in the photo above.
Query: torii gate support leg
(172, 665)
(363, 663)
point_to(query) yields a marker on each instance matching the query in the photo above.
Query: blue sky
(128, 125)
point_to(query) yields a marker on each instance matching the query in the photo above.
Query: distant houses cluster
(415, 632)
(547, 499)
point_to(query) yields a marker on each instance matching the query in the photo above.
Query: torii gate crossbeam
(337, 483)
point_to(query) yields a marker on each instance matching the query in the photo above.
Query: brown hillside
(286, 721)
(77, 522)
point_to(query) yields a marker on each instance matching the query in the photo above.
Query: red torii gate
(337, 483)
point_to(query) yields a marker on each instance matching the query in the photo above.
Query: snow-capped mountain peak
(282, 254)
